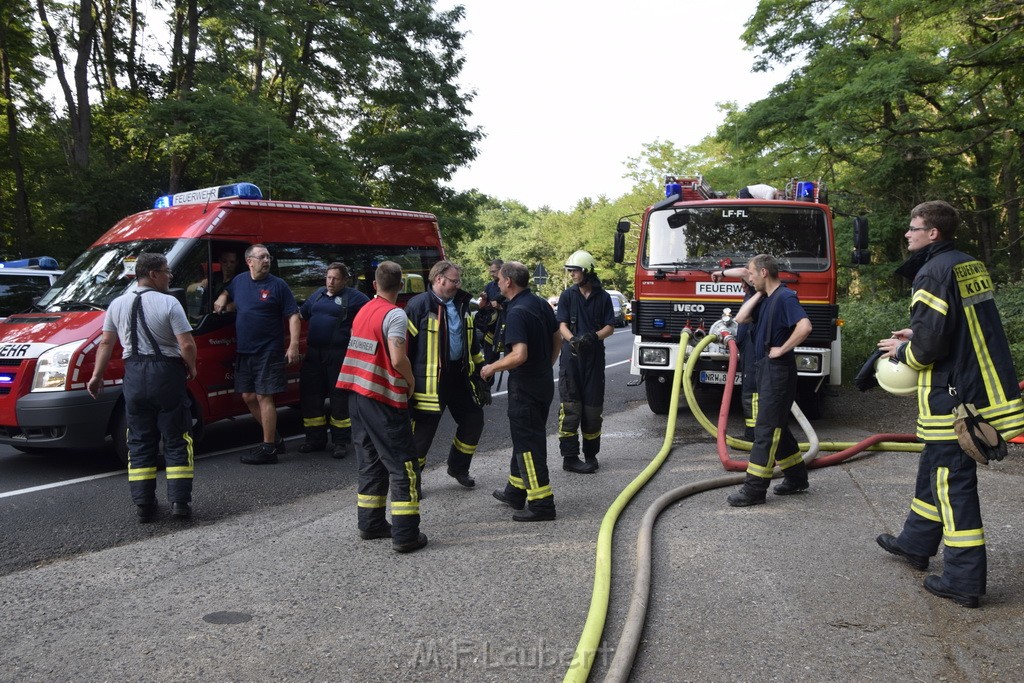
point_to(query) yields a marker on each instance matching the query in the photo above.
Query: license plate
(718, 377)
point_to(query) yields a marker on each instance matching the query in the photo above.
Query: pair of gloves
(481, 389)
(583, 342)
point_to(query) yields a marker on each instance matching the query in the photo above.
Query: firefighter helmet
(581, 259)
(896, 377)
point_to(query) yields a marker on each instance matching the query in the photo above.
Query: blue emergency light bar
(209, 194)
(44, 262)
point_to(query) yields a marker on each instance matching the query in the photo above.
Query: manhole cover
(227, 618)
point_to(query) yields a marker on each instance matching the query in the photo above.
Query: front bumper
(61, 420)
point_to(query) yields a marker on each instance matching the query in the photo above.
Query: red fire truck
(47, 354)
(695, 231)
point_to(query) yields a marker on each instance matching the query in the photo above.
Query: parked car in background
(24, 281)
(620, 304)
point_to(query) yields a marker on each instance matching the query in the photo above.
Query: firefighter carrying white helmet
(581, 259)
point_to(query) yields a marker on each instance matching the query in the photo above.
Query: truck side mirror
(619, 252)
(860, 232)
(624, 227)
(861, 254)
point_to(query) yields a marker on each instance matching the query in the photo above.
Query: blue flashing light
(805, 191)
(6, 379)
(658, 323)
(209, 194)
(44, 262)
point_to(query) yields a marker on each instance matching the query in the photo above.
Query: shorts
(261, 373)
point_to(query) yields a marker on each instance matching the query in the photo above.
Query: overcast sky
(568, 90)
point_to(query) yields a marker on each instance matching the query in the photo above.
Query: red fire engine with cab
(695, 231)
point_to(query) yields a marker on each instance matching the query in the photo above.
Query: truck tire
(811, 402)
(659, 392)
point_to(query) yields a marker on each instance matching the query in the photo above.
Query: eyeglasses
(166, 272)
(916, 229)
(457, 283)
(262, 257)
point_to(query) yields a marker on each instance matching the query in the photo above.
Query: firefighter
(490, 316)
(445, 360)
(531, 343)
(159, 358)
(585, 319)
(330, 311)
(779, 325)
(742, 346)
(377, 372)
(957, 343)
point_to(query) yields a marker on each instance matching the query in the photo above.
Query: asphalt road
(56, 505)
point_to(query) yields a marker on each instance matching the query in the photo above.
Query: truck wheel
(810, 401)
(659, 393)
(119, 433)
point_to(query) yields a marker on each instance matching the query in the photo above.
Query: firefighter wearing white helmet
(585, 320)
(896, 377)
(957, 343)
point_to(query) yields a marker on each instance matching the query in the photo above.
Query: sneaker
(934, 585)
(745, 498)
(889, 544)
(411, 546)
(307, 447)
(789, 487)
(264, 454)
(146, 512)
(343, 450)
(280, 447)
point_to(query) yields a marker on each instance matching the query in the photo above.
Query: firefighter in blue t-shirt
(262, 301)
(330, 311)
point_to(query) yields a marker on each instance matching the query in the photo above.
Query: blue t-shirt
(781, 311)
(262, 306)
(530, 320)
(588, 314)
(330, 317)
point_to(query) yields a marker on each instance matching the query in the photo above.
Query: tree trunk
(22, 217)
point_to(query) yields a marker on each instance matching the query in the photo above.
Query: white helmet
(896, 377)
(581, 259)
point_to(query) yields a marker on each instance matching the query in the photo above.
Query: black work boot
(889, 544)
(574, 464)
(746, 497)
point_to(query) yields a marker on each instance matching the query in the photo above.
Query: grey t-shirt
(396, 324)
(164, 316)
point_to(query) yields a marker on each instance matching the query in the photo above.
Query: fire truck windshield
(102, 274)
(708, 235)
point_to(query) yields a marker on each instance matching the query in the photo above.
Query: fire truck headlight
(653, 356)
(53, 367)
(806, 362)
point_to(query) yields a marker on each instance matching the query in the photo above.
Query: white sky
(568, 90)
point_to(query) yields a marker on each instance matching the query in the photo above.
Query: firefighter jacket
(428, 346)
(958, 346)
(367, 369)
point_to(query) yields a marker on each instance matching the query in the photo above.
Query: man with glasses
(446, 358)
(957, 343)
(262, 301)
(490, 316)
(159, 358)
